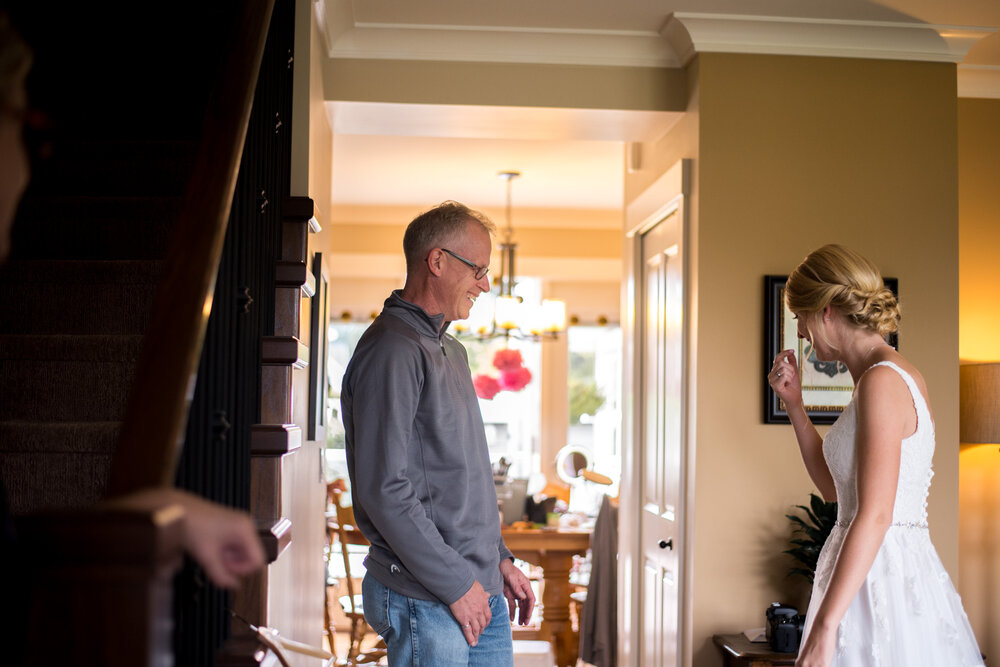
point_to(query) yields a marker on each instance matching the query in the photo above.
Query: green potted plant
(820, 517)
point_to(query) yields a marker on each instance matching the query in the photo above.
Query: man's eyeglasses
(480, 271)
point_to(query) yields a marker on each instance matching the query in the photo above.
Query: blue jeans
(422, 633)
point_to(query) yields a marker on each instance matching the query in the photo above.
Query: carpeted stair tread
(66, 378)
(117, 167)
(85, 227)
(56, 465)
(124, 148)
(55, 480)
(133, 209)
(97, 348)
(66, 437)
(89, 272)
(77, 297)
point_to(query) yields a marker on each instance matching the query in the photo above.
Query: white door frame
(647, 210)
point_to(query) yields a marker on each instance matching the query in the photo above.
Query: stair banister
(153, 429)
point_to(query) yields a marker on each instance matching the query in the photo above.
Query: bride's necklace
(864, 359)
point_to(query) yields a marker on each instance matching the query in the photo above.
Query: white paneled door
(660, 434)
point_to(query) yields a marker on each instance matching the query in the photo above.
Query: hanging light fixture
(511, 316)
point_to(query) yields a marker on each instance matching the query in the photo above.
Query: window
(594, 387)
(343, 338)
(512, 418)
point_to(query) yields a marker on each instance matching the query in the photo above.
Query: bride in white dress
(881, 597)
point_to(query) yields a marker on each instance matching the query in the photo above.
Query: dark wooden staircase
(77, 300)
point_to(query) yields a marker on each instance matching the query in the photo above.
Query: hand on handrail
(221, 539)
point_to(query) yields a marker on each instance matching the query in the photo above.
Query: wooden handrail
(152, 433)
(102, 578)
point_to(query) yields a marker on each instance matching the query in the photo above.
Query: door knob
(667, 544)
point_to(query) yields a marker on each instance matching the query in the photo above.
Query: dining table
(552, 549)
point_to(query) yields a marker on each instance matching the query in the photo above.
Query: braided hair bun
(836, 276)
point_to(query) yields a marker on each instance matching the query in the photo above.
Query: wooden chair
(343, 527)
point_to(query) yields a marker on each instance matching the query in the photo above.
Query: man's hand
(472, 611)
(517, 590)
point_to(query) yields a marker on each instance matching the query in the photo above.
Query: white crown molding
(487, 44)
(671, 45)
(346, 38)
(979, 81)
(690, 33)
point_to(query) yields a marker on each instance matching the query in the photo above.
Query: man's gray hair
(437, 227)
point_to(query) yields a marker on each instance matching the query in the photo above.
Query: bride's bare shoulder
(886, 376)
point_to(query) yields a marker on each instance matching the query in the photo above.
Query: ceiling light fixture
(511, 316)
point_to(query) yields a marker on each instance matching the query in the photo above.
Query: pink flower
(508, 360)
(515, 379)
(486, 386)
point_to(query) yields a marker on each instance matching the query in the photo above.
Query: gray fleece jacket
(418, 459)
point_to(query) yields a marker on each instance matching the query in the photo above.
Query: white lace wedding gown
(907, 612)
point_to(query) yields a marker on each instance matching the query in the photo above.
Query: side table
(738, 651)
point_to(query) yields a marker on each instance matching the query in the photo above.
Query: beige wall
(505, 84)
(365, 237)
(360, 299)
(312, 136)
(589, 302)
(979, 231)
(979, 321)
(794, 153)
(320, 145)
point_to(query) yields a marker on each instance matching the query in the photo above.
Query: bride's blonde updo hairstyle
(838, 277)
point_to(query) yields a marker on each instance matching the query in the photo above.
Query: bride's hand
(818, 649)
(784, 378)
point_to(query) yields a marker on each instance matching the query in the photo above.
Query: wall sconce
(979, 403)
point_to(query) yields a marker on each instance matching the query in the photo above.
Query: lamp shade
(554, 315)
(979, 403)
(508, 313)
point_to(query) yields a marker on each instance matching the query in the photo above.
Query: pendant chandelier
(512, 317)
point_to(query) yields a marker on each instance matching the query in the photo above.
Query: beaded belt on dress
(895, 524)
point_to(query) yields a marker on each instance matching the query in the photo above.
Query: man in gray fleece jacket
(437, 570)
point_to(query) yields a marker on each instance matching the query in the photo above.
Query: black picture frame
(826, 386)
(318, 332)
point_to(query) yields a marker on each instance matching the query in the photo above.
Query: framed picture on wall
(318, 323)
(827, 386)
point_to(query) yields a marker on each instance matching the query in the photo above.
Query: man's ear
(435, 259)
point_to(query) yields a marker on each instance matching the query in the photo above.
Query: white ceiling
(401, 154)
(432, 169)
(422, 154)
